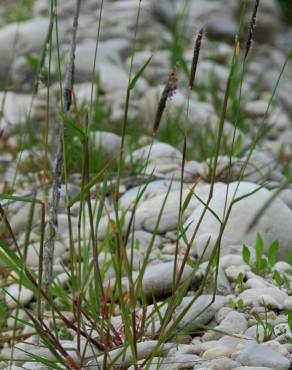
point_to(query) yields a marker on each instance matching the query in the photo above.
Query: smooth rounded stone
(34, 366)
(21, 316)
(258, 167)
(199, 112)
(213, 353)
(257, 332)
(222, 313)
(282, 266)
(83, 91)
(170, 171)
(142, 239)
(208, 71)
(157, 69)
(288, 304)
(286, 196)
(16, 108)
(272, 297)
(22, 351)
(252, 368)
(85, 55)
(221, 27)
(157, 153)
(168, 248)
(236, 230)
(231, 260)
(223, 363)
(108, 142)
(234, 323)
(223, 285)
(154, 188)
(62, 278)
(158, 279)
(21, 294)
(187, 348)
(25, 37)
(19, 220)
(262, 355)
(201, 311)
(179, 361)
(232, 272)
(256, 282)
(112, 77)
(144, 349)
(148, 213)
(256, 108)
(278, 347)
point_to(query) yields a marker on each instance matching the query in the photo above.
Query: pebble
(153, 285)
(201, 311)
(256, 108)
(234, 323)
(272, 297)
(20, 294)
(241, 215)
(262, 355)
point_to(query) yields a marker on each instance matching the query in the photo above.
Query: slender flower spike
(195, 59)
(168, 92)
(251, 29)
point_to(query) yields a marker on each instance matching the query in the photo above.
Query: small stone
(234, 323)
(20, 294)
(158, 279)
(272, 297)
(256, 108)
(262, 355)
(201, 311)
(217, 352)
(252, 368)
(222, 313)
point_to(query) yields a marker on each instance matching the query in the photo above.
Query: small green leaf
(259, 251)
(32, 61)
(240, 303)
(272, 256)
(289, 259)
(139, 74)
(239, 279)
(263, 264)
(277, 277)
(290, 320)
(237, 144)
(246, 254)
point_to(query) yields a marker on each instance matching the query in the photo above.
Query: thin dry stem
(59, 166)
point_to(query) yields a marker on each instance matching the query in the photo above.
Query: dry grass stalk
(195, 59)
(59, 166)
(251, 29)
(168, 92)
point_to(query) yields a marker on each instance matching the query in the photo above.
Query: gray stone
(262, 355)
(236, 231)
(20, 294)
(158, 279)
(201, 311)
